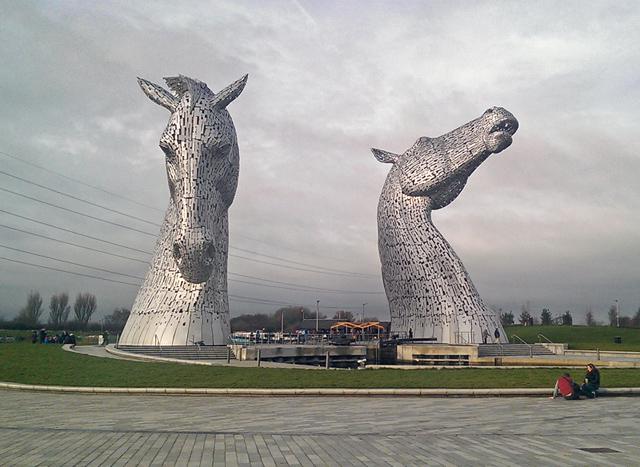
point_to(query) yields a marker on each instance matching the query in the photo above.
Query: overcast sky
(552, 221)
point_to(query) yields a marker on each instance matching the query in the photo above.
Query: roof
(351, 325)
(327, 324)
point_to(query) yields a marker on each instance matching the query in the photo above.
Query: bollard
(228, 354)
(597, 354)
(258, 357)
(326, 361)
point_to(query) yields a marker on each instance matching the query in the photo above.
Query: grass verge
(50, 365)
(580, 337)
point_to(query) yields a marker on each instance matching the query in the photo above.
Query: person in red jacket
(566, 387)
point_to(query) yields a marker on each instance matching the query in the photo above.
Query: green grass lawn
(50, 365)
(580, 337)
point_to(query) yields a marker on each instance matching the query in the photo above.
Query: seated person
(566, 387)
(591, 382)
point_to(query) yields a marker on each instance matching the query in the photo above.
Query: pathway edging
(332, 392)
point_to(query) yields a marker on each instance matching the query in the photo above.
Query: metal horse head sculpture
(183, 299)
(429, 291)
(202, 162)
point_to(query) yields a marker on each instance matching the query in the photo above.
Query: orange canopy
(364, 326)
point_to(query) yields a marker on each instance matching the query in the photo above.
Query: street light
(617, 313)
(317, 315)
(363, 305)
(282, 325)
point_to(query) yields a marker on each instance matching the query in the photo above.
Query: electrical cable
(68, 272)
(79, 181)
(78, 212)
(90, 203)
(70, 262)
(75, 232)
(74, 244)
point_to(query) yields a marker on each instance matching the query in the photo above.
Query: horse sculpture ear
(228, 94)
(158, 94)
(385, 157)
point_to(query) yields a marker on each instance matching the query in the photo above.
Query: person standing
(496, 334)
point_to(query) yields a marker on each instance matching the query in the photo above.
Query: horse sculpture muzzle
(194, 253)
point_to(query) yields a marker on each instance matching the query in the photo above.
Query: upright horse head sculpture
(428, 288)
(184, 297)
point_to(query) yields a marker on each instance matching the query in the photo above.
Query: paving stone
(73, 429)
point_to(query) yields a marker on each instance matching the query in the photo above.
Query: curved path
(65, 429)
(112, 352)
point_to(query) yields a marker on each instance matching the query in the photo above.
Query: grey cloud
(552, 220)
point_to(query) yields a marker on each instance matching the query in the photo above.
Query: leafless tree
(83, 308)
(59, 310)
(115, 321)
(30, 314)
(590, 321)
(343, 315)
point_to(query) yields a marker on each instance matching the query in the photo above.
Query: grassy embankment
(580, 337)
(50, 365)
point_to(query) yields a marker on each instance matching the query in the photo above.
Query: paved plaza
(75, 429)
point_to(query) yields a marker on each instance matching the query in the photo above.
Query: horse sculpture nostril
(176, 250)
(209, 250)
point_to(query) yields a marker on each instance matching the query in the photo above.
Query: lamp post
(317, 315)
(282, 325)
(363, 305)
(617, 314)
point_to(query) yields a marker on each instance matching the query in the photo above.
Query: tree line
(566, 319)
(289, 318)
(32, 315)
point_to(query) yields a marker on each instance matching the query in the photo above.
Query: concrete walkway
(60, 429)
(111, 352)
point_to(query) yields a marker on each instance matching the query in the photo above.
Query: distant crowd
(41, 337)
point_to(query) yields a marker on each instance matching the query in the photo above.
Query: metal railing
(302, 339)
(525, 343)
(542, 336)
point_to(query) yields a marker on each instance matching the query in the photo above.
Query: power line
(288, 248)
(291, 267)
(155, 235)
(76, 233)
(292, 286)
(305, 287)
(80, 199)
(318, 269)
(259, 300)
(79, 213)
(70, 262)
(254, 300)
(68, 272)
(303, 264)
(117, 195)
(74, 244)
(78, 181)
(241, 298)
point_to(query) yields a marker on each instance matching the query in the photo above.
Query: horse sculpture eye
(222, 151)
(169, 153)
